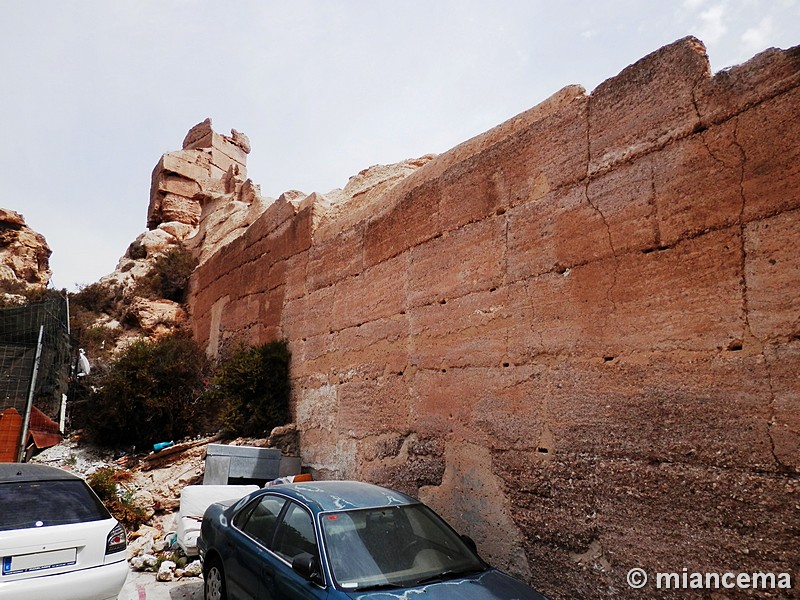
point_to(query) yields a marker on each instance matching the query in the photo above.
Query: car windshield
(399, 546)
(28, 504)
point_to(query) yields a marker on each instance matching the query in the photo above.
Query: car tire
(214, 584)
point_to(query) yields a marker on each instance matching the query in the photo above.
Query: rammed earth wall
(576, 335)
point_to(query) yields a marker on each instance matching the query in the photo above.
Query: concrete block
(241, 462)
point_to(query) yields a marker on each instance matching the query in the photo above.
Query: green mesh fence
(19, 334)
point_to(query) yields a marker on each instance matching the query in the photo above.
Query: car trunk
(54, 549)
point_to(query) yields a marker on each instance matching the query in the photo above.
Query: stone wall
(577, 335)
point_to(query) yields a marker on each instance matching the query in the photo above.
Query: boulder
(156, 316)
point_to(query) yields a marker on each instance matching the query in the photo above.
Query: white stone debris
(165, 571)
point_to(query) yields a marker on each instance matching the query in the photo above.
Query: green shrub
(151, 392)
(94, 298)
(137, 250)
(106, 484)
(169, 276)
(98, 341)
(85, 307)
(10, 289)
(16, 288)
(252, 385)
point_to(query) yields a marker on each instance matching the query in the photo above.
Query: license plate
(25, 563)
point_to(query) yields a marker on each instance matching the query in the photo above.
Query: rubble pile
(151, 549)
(156, 482)
(70, 454)
(156, 479)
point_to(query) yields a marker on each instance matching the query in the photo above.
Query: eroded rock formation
(201, 201)
(208, 162)
(577, 335)
(24, 254)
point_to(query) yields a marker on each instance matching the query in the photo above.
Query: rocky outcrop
(155, 317)
(208, 163)
(24, 254)
(576, 335)
(135, 310)
(225, 216)
(209, 171)
(199, 198)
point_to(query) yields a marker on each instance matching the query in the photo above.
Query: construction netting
(40, 330)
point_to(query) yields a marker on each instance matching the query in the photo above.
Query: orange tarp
(10, 430)
(43, 430)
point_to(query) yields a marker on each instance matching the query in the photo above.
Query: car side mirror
(470, 543)
(307, 566)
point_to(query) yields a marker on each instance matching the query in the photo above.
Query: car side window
(240, 518)
(260, 523)
(295, 534)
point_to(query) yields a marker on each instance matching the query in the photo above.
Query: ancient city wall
(577, 335)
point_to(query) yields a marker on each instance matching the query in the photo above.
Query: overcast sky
(95, 91)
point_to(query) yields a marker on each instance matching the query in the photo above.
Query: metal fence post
(26, 421)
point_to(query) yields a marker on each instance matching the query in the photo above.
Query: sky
(95, 91)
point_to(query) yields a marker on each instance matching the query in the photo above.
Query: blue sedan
(341, 540)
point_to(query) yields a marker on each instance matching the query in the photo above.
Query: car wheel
(214, 586)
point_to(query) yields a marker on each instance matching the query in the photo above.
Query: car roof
(15, 472)
(322, 496)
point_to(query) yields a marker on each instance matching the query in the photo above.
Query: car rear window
(28, 504)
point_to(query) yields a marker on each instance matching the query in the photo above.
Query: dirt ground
(141, 585)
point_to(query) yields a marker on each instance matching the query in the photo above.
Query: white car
(57, 540)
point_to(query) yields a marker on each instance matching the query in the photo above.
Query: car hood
(489, 585)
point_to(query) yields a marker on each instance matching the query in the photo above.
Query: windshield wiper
(377, 586)
(448, 574)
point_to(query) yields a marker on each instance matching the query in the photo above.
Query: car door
(294, 536)
(256, 525)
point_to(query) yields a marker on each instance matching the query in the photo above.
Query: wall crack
(595, 208)
(749, 335)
